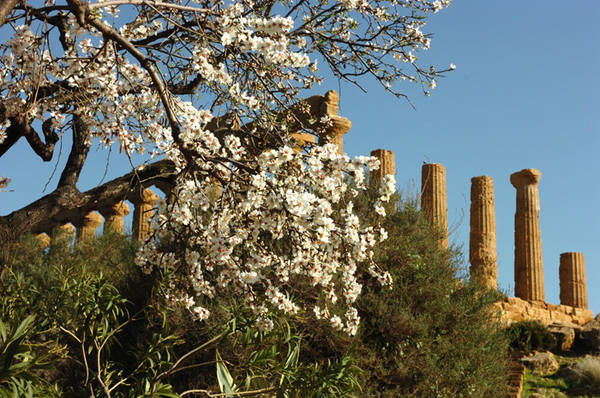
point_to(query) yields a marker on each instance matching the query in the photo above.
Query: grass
(558, 386)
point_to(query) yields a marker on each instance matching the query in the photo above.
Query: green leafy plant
(530, 335)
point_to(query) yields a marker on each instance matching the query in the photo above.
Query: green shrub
(432, 335)
(110, 326)
(587, 373)
(530, 335)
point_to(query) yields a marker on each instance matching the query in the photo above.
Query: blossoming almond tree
(211, 89)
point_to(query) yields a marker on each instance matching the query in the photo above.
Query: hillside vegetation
(87, 322)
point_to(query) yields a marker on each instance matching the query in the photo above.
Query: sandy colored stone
(303, 140)
(67, 230)
(482, 239)
(114, 217)
(573, 288)
(44, 239)
(142, 212)
(541, 363)
(433, 199)
(529, 268)
(387, 165)
(87, 225)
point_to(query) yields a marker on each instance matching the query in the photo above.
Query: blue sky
(526, 93)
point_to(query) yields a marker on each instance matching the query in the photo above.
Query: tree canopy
(210, 92)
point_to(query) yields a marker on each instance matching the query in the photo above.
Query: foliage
(587, 371)
(433, 334)
(430, 335)
(530, 335)
(213, 89)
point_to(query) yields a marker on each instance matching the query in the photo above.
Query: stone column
(67, 231)
(482, 240)
(433, 199)
(113, 217)
(339, 125)
(87, 226)
(44, 239)
(142, 212)
(387, 165)
(529, 265)
(573, 289)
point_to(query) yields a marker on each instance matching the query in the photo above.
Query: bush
(530, 336)
(587, 373)
(432, 335)
(110, 327)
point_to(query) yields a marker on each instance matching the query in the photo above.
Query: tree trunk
(67, 204)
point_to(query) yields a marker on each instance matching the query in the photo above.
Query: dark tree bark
(67, 203)
(6, 6)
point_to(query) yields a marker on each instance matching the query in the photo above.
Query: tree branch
(79, 151)
(6, 6)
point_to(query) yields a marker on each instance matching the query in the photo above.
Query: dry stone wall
(514, 309)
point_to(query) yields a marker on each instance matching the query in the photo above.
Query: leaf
(224, 377)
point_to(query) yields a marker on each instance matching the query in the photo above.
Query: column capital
(525, 177)
(146, 196)
(119, 209)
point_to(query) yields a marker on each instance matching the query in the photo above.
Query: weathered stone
(142, 212)
(303, 140)
(87, 225)
(529, 268)
(573, 289)
(433, 199)
(114, 217)
(66, 231)
(482, 239)
(541, 363)
(564, 335)
(44, 239)
(515, 309)
(589, 335)
(387, 165)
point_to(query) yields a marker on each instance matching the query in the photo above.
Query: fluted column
(87, 226)
(433, 199)
(142, 212)
(114, 217)
(573, 288)
(482, 240)
(529, 265)
(387, 165)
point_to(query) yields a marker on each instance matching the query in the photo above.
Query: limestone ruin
(529, 267)
(482, 239)
(433, 199)
(142, 212)
(387, 165)
(87, 226)
(114, 217)
(573, 289)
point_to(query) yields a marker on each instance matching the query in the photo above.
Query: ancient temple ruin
(573, 289)
(433, 199)
(529, 302)
(482, 238)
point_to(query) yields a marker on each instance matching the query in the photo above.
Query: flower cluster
(210, 89)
